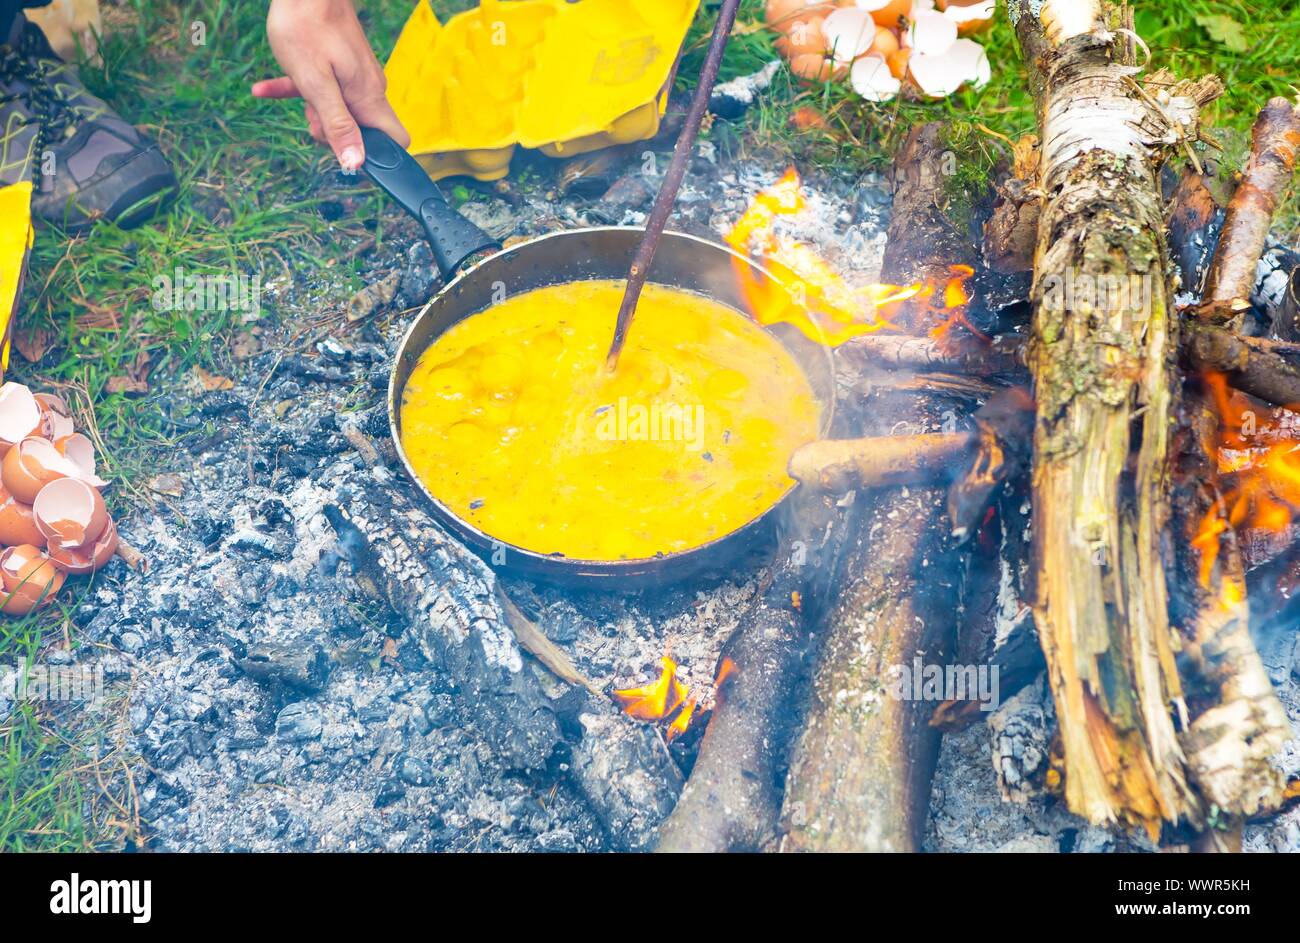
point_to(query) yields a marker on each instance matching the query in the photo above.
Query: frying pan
(683, 261)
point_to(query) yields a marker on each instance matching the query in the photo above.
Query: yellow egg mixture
(512, 421)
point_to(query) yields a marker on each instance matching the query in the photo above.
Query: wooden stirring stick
(672, 182)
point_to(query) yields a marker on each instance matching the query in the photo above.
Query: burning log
(1231, 742)
(1105, 391)
(732, 800)
(1274, 141)
(1277, 290)
(1236, 722)
(1195, 220)
(445, 594)
(861, 769)
(1005, 428)
(1267, 369)
(839, 465)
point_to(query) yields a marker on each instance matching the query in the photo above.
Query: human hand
(329, 64)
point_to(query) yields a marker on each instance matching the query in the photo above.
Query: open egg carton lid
(15, 244)
(564, 77)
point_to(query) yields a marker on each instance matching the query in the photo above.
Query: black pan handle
(453, 238)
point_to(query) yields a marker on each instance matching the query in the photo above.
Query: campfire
(998, 448)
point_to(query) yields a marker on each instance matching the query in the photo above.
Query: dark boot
(85, 162)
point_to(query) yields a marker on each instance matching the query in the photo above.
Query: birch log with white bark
(1103, 365)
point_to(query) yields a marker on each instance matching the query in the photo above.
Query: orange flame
(681, 722)
(1264, 488)
(656, 700)
(818, 301)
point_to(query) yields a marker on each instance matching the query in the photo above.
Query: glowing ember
(725, 671)
(819, 302)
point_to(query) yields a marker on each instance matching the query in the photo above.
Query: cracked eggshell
(898, 63)
(938, 76)
(20, 415)
(29, 578)
(55, 423)
(81, 452)
(780, 13)
(886, 12)
(802, 37)
(17, 522)
(815, 67)
(872, 79)
(87, 559)
(884, 45)
(849, 33)
(931, 33)
(70, 514)
(31, 465)
(971, 16)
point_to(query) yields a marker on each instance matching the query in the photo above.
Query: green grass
(250, 181)
(864, 136)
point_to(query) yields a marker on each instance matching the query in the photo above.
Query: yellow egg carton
(15, 244)
(563, 76)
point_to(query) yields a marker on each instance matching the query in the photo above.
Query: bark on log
(1012, 230)
(1195, 220)
(838, 465)
(1104, 388)
(1275, 139)
(1267, 369)
(861, 769)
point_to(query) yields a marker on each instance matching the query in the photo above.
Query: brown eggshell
(968, 23)
(884, 45)
(814, 67)
(70, 513)
(88, 559)
(31, 465)
(20, 415)
(780, 12)
(29, 578)
(17, 522)
(802, 36)
(52, 401)
(898, 63)
(889, 12)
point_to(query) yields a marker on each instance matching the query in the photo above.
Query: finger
(282, 87)
(374, 111)
(336, 122)
(313, 123)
